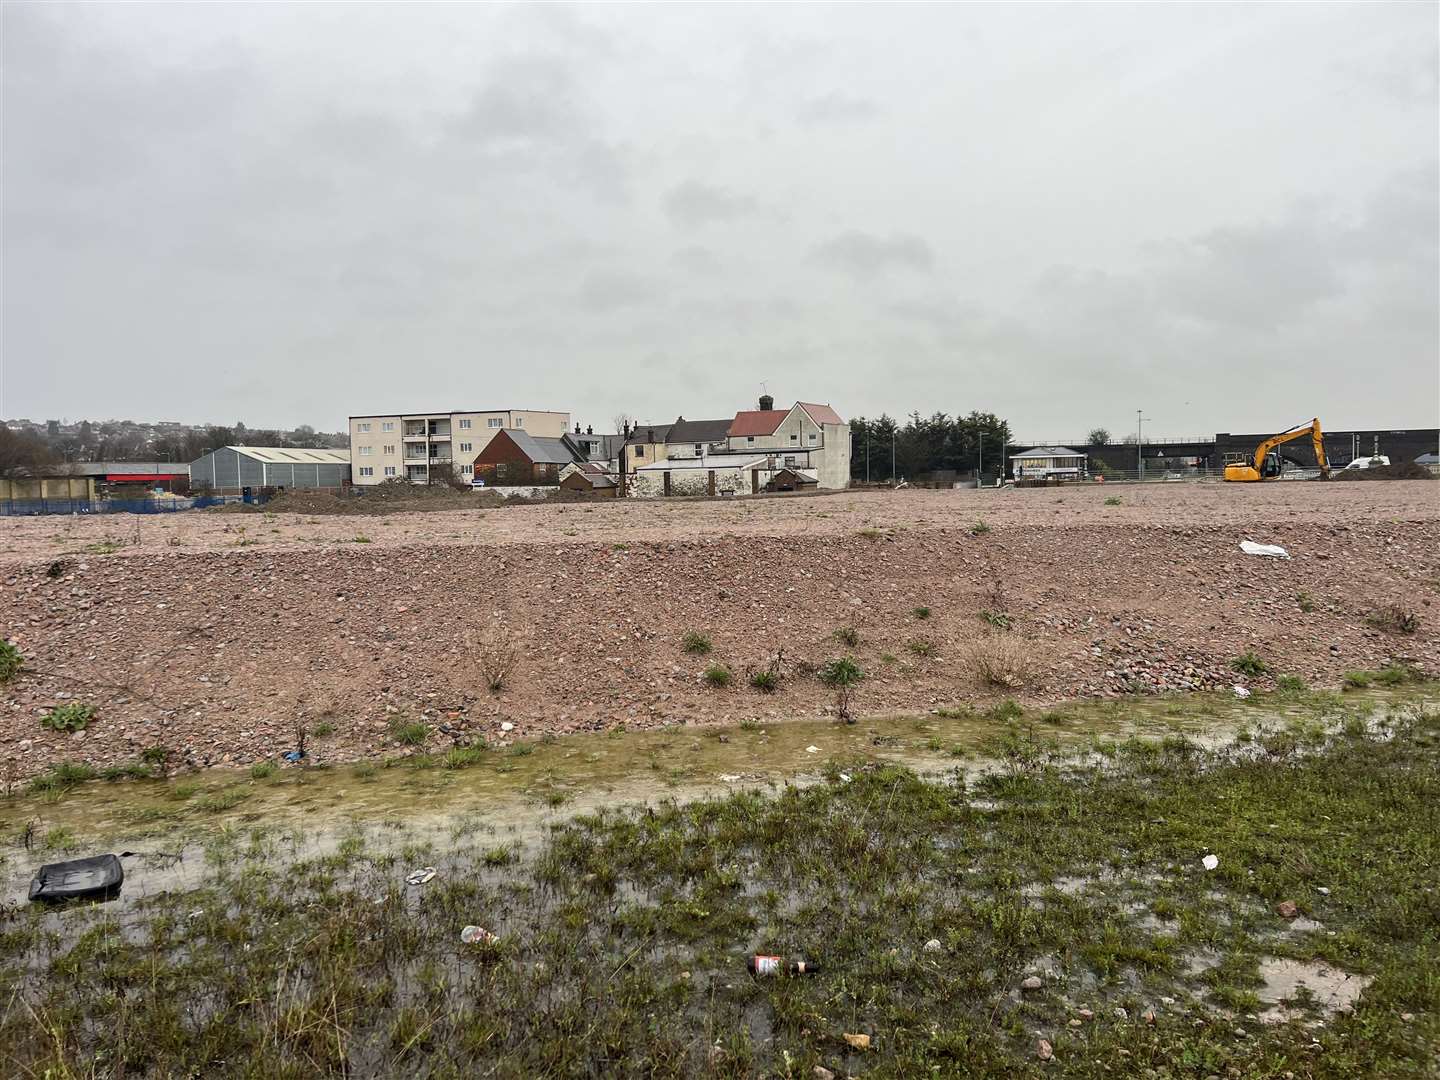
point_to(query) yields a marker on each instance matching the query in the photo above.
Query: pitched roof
(698, 431)
(821, 414)
(1049, 451)
(654, 433)
(542, 450)
(757, 422)
(293, 455)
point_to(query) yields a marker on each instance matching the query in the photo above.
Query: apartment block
(407, 445)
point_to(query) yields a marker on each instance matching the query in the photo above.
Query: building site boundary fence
(32, 507)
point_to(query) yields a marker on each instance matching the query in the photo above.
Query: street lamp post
(1139, 446)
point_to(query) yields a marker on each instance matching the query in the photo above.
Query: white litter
(845, 777)
(729, 778)
(812, 749)
(421, 876)
(1210, 862)
(1240, 691)
(1274, 551)
(507, 726)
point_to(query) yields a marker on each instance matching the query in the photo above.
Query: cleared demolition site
(1059, 781)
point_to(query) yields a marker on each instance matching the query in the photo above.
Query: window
(362, 427)
(464, 423)
(789, 459)
(388, 425)
(467, 469)
(389, 470)
(390, 449)
(813, 436)
(367, 470)
(465, 447)
(519, 421)
(749, 438)
(496, 421)
(639, 451)
(365, 451)
(794, 438)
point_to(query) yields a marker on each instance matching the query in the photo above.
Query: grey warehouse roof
(542, 450)
(293, 455)
(1049, 451)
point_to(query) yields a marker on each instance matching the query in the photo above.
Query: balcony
(415, 431)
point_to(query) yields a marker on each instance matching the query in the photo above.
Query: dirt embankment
(1402, 470)
(217, 648)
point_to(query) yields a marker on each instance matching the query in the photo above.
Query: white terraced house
(406, 445)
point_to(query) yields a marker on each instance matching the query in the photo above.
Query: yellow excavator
(1266, 463)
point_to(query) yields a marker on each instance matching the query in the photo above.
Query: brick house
(517, 458)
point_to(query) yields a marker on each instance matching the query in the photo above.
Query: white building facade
(406, 445)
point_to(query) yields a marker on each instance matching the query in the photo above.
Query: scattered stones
(859, 1042)
(934, 945)
(1043, 1050)
(822, 1073)
(1032, 983)
(1287, 909)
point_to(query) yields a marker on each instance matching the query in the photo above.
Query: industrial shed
(228, 470)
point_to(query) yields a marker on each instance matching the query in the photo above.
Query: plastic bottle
(761, 964)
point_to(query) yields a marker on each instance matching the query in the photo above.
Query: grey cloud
(863, 255)
(702, 262)
(566, 190)
(837, 108)
(610, 290)
(694, 204)
(530, 99)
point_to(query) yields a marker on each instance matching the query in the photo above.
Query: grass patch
(1113, 500)
(1394, 619)
(11, 662)
(323, 729)
(920, 613)
(717, 676)
(847, 636)
(980, 528)
(921, 647)
(263, 770)
(633, 923)
(1249, 664)
(73, 716)
(1290, 684)
(1305, 601)
(766, 681)
(409, 733)
(696, 644)
(996, 619)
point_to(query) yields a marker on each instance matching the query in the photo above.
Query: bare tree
(620, 421)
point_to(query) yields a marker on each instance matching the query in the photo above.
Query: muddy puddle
(512, 793)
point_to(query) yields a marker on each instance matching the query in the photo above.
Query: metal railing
(1168, 440)
(35, 507)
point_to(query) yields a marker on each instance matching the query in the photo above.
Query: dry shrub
(495, 658)
(998, 660)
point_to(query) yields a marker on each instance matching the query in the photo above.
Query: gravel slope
(215, 642)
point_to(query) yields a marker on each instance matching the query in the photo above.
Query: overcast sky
(1224, 215)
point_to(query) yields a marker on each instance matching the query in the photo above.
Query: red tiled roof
(821, 414)
(756, 422)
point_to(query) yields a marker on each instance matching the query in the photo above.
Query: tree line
(26, 453)
(926, 445)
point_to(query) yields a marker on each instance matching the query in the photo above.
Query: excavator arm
(1256, 470)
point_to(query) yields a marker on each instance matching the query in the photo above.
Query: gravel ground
(215, 634)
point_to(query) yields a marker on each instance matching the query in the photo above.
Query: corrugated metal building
(229, 469)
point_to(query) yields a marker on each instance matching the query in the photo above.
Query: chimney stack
(589, 429)
(766, 403)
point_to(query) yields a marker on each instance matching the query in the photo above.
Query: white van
(1368, 462)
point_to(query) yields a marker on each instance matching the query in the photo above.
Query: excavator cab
(1272, 466)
